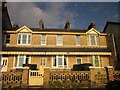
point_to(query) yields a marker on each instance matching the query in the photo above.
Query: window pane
(27, 59)
(19, 39)
(3, 62)
(77, 40)
(54, 61)
(65, 60)
(43, 39)
(79, 61)
(44, 62)
(21, 60)
(96, 61)
(92, 40)
(24, 39)
(40, 61)
(59, 39)
(90, 60)
(29, 39)
(7, 38)
(16, 60)
(97, 40)
(59, 60)
(100, 61)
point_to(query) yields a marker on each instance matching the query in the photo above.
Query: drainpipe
(107, 74)
(114, 45)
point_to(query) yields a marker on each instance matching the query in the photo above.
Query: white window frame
(59, 40)
(89, 40)
(27, 34)
(61, 66)
(6, 39)
(78, 58)
(44, 60)
(17, 66)
(42, 39)
(78, 40)
(2, 61)
(93, 60)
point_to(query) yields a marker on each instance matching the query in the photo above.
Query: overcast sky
(54, 14)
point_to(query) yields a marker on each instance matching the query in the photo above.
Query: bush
(113, 85)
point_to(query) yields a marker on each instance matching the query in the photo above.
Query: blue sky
(54, 14)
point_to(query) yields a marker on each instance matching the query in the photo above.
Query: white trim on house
(59, 40)
(77, 41)
(16, 60)
(78, 57)
(93, 31)
(89, 40)
(4, 64)
(43, 61)
(56, 53)
(62, 57)
(24, 29)
(42, 39)
(21, 38)
(93, 60)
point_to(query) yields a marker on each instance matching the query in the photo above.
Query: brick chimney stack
(92, 25)
(41, 24)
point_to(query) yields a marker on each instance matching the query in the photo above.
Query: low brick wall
(65, 75)
(15, 78)
(95, 77)
(116, 75)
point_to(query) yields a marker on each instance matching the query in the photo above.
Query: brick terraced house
(42, 54)
(54, 48)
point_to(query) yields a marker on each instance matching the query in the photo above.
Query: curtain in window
(24, 39)
(91, 60)
(96, 61)
(77, 40)
(92, 40)
(21, 60)
(43, 39)
(54, 61)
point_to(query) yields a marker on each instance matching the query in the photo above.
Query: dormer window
(93, 40)
(24, 39)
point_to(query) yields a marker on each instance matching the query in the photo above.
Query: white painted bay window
(96, 61)
(60, 61)
(19, 60)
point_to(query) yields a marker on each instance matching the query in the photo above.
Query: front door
(4, 63)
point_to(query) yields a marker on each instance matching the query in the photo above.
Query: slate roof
(41, 49)
(57, 30)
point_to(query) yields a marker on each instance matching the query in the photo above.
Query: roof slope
(43, 49)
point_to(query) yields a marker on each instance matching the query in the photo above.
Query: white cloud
(27, 13)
